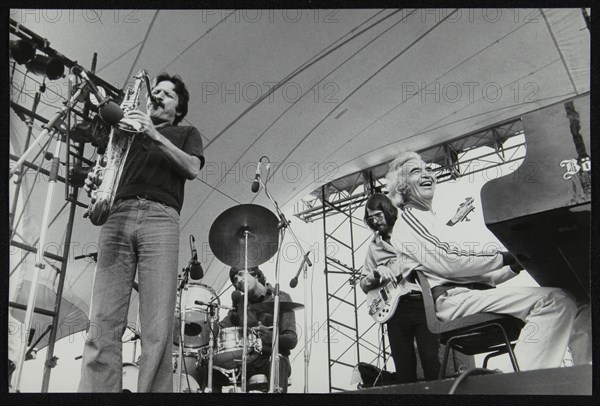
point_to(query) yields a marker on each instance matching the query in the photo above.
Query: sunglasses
(376, 216)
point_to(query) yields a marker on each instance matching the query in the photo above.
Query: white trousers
(549, 314)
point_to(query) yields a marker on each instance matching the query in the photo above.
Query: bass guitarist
(407, 322)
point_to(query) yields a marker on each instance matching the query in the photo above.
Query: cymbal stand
(274, 371)
(283, 225)
(245, 331)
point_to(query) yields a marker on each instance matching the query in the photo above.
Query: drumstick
(257, 327)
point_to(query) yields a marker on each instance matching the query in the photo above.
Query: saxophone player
(142, 233)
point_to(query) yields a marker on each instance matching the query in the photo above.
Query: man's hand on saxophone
(145, 121)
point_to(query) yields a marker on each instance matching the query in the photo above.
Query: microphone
(256, 183)
(196, 271)
(294, 281)
(109, 111)
(236, 298)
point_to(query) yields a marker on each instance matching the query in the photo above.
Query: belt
(437, 291)
(141, 196)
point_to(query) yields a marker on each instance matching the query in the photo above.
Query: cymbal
(269, 307)
(227, 235)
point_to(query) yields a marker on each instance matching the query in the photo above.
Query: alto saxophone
(109, 166)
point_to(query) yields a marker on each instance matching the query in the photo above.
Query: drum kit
(243, 236)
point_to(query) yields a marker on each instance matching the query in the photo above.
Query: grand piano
(541, 212)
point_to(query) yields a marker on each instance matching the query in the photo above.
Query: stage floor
(556, 381)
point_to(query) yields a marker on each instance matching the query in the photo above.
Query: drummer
(259, 291)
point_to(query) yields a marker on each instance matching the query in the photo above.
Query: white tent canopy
(321, 93)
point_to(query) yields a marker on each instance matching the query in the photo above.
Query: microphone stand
(283, 225)
(293, 283)
(306, 350)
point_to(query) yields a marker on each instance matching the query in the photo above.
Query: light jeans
(549, 314)
(144, 235)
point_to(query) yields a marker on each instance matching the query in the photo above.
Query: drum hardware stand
(231, 375)
(283, 225)
(135, 331)
(211, 340)
(39, 263)
(211, 343)
(182, 317)
(245, 328)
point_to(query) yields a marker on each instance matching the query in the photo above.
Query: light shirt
(425, 243)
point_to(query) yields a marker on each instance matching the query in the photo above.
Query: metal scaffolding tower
(55, 133)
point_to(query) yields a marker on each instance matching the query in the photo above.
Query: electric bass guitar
(383, 301)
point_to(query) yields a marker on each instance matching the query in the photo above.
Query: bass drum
(197, 327)
(193, 374)
(130, 377)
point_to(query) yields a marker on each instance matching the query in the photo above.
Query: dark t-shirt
(148, 171)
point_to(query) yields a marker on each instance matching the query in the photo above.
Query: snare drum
(197, 317)
(230, 346)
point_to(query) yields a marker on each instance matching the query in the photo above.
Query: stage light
(82, 132)
(41, 65)
(95, 131)
(21, 51)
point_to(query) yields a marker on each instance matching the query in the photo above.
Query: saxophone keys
(99, 178)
